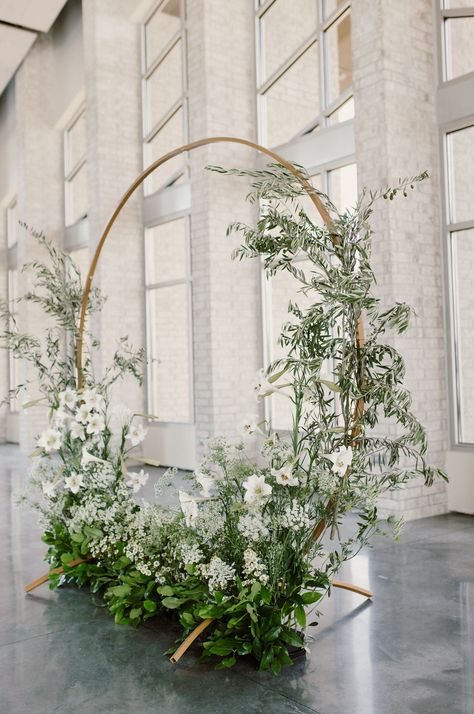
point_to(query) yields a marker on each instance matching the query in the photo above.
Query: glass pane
(168, 350)
(463, 267)
(76, 196)
(455, 4)
(164, 87)
(461, 161)
(331, 5)
(344, 113)
(12, 225)
(165, 252)
(459, 46)
(343, 187)
(339, 57)
(76, 142)
(170, 136)
(161, 28)
(292, 102)
(284, 28)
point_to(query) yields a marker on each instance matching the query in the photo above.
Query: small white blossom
(48, 488)
(254, 568)
(95, 424)
(218, 574)
(256, 488)
(74, 482)
(341, 459)
(83, 413)
(137, 434)
(189, 507)
(50, 440)
(191, 554)
(285, 476)
(296, 517)
(206, 482)
(253, 526)
(68, 398)
(137, 480)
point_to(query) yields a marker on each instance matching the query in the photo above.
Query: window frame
(444, 14)
(70, 172)
(322, 119)
(150, 131)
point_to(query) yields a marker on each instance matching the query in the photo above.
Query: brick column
(40, 196)
(113, 96)
(226, 294)
(396, 136)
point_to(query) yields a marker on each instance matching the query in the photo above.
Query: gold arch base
(359, 409)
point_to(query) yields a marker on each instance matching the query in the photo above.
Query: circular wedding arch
(318, 203)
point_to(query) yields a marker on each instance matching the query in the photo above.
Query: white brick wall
(396, 135)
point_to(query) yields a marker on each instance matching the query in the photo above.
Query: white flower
(341, 459)
(254, 568)
(50, 440)
(263, 387)
(95, 424)
(217, 573)
(256, 488)
(285, 476)
(253, 526)
(189, 507)
(250, 425)
(206, 482)
(137, 480)
(93, 399)
(68, 398)
(191, 553)
(49, 488)
(77, 431)
(136, 434)
(83, 413)
(120, 417)
(296, 517)
(88, 458)
(74, 482)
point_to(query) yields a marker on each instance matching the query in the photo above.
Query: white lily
(83, 413)
(50, 440)
(95, 424)
(137, 434)
(137, 480)
(74, 482)
(285, 476)
(341, 459)
(206, 482)
(77, 431)
(189, 507)
(263, 387)
(93, 399)
(88, 458)
(256, 488)
(68, 398)
(250, 425)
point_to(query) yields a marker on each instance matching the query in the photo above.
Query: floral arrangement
(254, 543)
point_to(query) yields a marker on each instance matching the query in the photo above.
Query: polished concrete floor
(411, 650)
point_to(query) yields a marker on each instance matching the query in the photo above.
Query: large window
(168, 307)
(12, 296)
(164, 94)
(459, 163)
(458, 38)
(75, 169)
(304, 67)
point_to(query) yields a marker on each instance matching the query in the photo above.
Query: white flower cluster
(296, 517)
(218, 574)
(254, 568)
(209, 522)
(253, 526)
(191, 553)
(327, 482)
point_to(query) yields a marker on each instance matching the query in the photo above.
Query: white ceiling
(15, 42)
(36, 15)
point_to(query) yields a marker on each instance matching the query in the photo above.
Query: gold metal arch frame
(359, 409)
